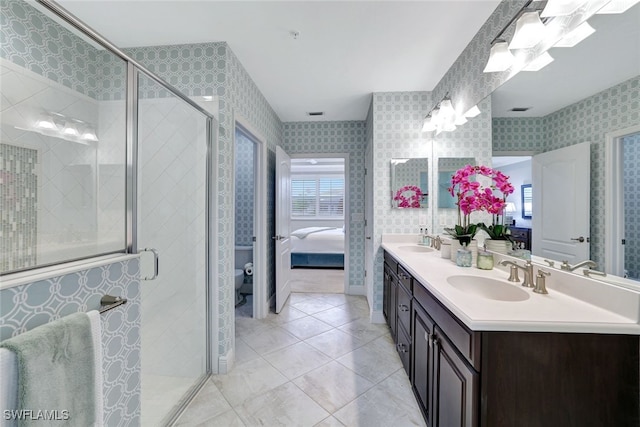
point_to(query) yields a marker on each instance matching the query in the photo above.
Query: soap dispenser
(426, 240)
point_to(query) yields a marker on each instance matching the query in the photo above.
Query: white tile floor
(318, 363)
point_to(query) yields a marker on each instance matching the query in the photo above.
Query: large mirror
(410, 183)
(589, 93)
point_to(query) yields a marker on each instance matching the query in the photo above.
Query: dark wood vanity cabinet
(464, 378)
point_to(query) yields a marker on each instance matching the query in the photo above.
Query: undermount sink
(415, 248)
(485, 287)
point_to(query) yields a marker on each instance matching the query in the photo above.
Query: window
(317, 197)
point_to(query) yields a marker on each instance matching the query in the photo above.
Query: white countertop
(573, 304)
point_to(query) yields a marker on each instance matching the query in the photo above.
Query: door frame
(347, 182)
(614, 204)
(260, 303)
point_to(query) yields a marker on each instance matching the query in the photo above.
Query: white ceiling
(609, 56)
(346, 49)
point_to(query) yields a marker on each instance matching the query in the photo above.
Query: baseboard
(377, 317)
(357, 290)
(225, 363)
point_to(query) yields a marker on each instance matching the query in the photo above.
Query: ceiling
(345, 49)
(609, 56)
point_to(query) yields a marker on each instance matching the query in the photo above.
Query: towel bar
(109, 302)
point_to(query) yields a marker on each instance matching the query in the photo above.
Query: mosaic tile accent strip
(37, 43)
(631, 183)
(25, 307)
(338, 137)
(19, 201)
(244, 190)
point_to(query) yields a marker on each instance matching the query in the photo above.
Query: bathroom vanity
(481, 351)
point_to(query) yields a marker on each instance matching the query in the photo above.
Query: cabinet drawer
(466, 341)
(391, 262)
(403, 347)
(405, 278)
(404, 309)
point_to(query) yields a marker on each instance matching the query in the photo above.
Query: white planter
(498, 246)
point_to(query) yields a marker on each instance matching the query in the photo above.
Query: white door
(561, 203)
(368, 224)
(283, 223)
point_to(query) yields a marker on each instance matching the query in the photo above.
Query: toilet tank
(244, 254)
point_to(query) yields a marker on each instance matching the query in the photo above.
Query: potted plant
(472, 196)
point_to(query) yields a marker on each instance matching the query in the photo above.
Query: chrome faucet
(528, 272)
(587, 272)
(566, 267)
(436, 242)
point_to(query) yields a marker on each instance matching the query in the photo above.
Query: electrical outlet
(422, 220)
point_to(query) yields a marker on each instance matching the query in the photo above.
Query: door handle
(578, 239)
(278, 237)
(368, 237)
(156, 263)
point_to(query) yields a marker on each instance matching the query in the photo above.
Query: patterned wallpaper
(397, 124)
(39, 44)
(338, 137)
(518, 134)
(631, 183)
(244, 190)
(587, 120)
(397, 132)
(27, 306)
(19, 199)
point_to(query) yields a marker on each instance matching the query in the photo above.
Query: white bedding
(329, 241)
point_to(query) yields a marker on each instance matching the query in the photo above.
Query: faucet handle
(540, 282)
(513, 274)
(551, 263)
(565, 265)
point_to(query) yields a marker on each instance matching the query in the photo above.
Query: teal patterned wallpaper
(631, 184)
(244, 178)
(587, 120)
(338, 137)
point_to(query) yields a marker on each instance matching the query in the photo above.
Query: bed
(317, 247)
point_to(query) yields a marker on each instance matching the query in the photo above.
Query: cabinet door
(422, 359)
(393, 305)
(455, 387)
(385, 292)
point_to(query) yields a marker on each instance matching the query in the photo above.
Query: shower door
(172, 152)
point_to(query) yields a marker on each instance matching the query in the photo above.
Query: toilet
(243, 256)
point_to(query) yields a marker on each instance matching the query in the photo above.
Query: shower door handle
(156, 263)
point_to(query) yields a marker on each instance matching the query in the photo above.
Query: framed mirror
(447, 166)
(410, 183)
(527, 201)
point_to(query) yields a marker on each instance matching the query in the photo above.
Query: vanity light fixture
(561, 7)
(429, 125)
(529, 31)
(472, 112)
(583, 31)
(70, 129)
(500, 57)
(89, 135)
(45, 122)
(617, 6)
(539, 63)
(460, 120)
(441, 118)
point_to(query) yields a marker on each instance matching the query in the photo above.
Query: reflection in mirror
(589, 91)
(446, 168)
(527, 203)
(410, 183)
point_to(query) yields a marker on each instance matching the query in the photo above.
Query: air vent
(316, 113)
(520, 109)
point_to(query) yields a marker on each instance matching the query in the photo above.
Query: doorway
(622, 239)
(250, 222)
(319, 227)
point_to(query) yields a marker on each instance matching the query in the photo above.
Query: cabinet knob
(401, 348)
(403, 307)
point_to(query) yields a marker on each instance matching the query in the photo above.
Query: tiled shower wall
(28, 306)
(587, 120)
(631, 183)
(338, 137)
(244, 190)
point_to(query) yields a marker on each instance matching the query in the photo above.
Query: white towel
(96, 332)
(8, 385)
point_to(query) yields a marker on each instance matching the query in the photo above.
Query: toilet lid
(239, 272)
